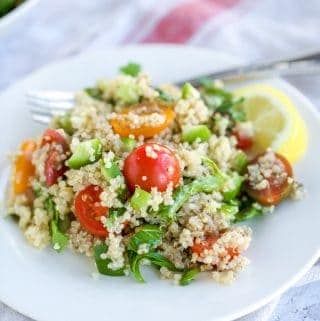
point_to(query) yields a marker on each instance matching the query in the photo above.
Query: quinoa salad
(140, 175)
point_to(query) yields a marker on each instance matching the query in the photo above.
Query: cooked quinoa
(136, 175)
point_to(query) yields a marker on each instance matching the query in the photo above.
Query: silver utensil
(46, 104)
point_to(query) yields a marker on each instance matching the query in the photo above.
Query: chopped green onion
(128, 144)
(191, 133)
(164, 96)
(131, 69)
(87, 152)
(139, 199)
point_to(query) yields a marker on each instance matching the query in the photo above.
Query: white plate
(50, 287)
(10, 18)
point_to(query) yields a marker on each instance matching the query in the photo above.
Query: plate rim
(306, 101)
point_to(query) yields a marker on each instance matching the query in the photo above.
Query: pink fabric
(179, 24)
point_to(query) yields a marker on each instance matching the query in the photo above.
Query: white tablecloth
(248, 29)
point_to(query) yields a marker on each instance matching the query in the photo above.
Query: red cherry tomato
(54, 164)
(151, 165)
(54, 167)
(205, 244)
(243, 141)
(88, 210)
(278, 188)
(53, 136)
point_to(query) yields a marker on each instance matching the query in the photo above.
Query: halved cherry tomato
(208, 243)
(53, 136)
(277, 188)
(54, 167)
(54, 164)
(151, 165)
(23, 167)
(243, 141)
(123, 127)
(88, 210)
(205, 244)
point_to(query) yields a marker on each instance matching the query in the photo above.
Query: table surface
(43, 36)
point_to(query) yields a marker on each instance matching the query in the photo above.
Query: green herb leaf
(248, 213)
(221, 100)
(147, 234)
(240, 162)
(230, 210)
(131, 69)
(155, 258)
(64, 122)
(95, 93)
(102, 264)
(181, 195)
(58, 238)
(235, 182)
(189, 276)
(164, 96)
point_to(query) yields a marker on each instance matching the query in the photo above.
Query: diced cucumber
(87, 152)
(191, 133)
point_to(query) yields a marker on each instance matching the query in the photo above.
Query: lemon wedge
(276, 121)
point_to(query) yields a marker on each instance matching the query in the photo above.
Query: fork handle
(298, 65)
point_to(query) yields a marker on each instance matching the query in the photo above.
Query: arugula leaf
(181, 195)
(59, 240)
(94, 92)
(102, 264)
(155, 258)
(221, 100)
(131, 69)
(248, 213)
(234, 180)
(189, 276)
(164, 96)
(147, 234)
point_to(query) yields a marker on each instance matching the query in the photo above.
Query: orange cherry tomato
(23, 167)
(122, 124)
(277, 188)
(88, 210)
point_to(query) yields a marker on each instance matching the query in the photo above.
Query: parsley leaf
(131, 69)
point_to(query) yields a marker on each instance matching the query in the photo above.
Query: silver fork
(46, 104)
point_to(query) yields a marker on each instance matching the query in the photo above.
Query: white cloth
(248, 29)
